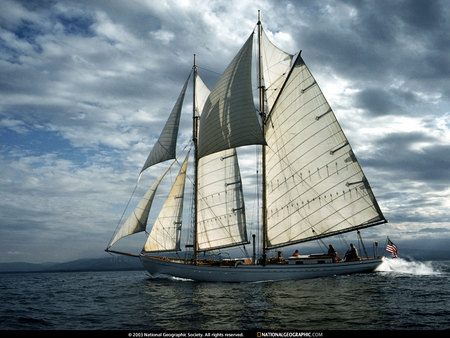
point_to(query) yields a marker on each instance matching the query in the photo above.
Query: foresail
(166, 232)
(275, 65)
(165, 147)
(221, 211)
(229, 119)
(137, 221)
(315, 184)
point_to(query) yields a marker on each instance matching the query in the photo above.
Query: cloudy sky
(85, 87)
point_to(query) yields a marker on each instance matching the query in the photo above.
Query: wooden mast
(195, 140)
(263, 121)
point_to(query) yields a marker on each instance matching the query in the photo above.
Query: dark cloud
(382, 42)
(435, 230)
(429, 164)
(378, 101)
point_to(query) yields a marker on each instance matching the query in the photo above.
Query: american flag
(392, 248)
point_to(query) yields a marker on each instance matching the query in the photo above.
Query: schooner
(312, 184)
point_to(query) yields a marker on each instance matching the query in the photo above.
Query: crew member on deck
(279, 257)
(351, 254)
(295, 254)
(333, 253)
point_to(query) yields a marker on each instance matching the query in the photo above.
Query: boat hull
(254, 273)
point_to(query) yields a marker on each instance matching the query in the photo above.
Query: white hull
(254, 273)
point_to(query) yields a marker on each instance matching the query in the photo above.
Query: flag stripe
(392, 248)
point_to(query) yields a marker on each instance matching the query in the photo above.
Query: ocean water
(401, 295)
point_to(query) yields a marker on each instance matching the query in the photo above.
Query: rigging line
(208, 70)
(180, 164)
(131, 197)
(318, 243)
(319, 239)
(123, 213)
(244, 250)
(343, 242)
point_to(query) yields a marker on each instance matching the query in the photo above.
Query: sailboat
(312, 185)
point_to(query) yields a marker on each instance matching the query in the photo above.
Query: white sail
(137, 221)
(201, 95)
(221, 211)
(315, 184)
(275, 66)
(165, 147)
(229, 119)
(166, 232)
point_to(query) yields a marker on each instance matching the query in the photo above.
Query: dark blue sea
(404, 295)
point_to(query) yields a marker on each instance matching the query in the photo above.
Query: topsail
(165, 147)
(276, 65)
(229, 118)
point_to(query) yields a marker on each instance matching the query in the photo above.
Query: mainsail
(221, 211)
(165, 147)
(315, 185)
(137, 221)
(166, 232)
(229, 119)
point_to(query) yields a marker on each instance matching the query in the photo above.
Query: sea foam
(410, 267)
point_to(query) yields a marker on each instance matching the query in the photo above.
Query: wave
(409, 267)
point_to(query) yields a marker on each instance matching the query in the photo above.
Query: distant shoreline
(86, 270)
(81, 265)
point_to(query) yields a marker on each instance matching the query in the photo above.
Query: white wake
(409, 267)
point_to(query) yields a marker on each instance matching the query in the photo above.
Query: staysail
(137, 221)
(165, 147)
(316, 187)
(166, 232)
(229, 119)
(221, 211)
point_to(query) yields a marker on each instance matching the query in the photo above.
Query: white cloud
(16, 125)
(164, 36)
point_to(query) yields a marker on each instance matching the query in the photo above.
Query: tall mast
(195, 140)
(263, 121)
